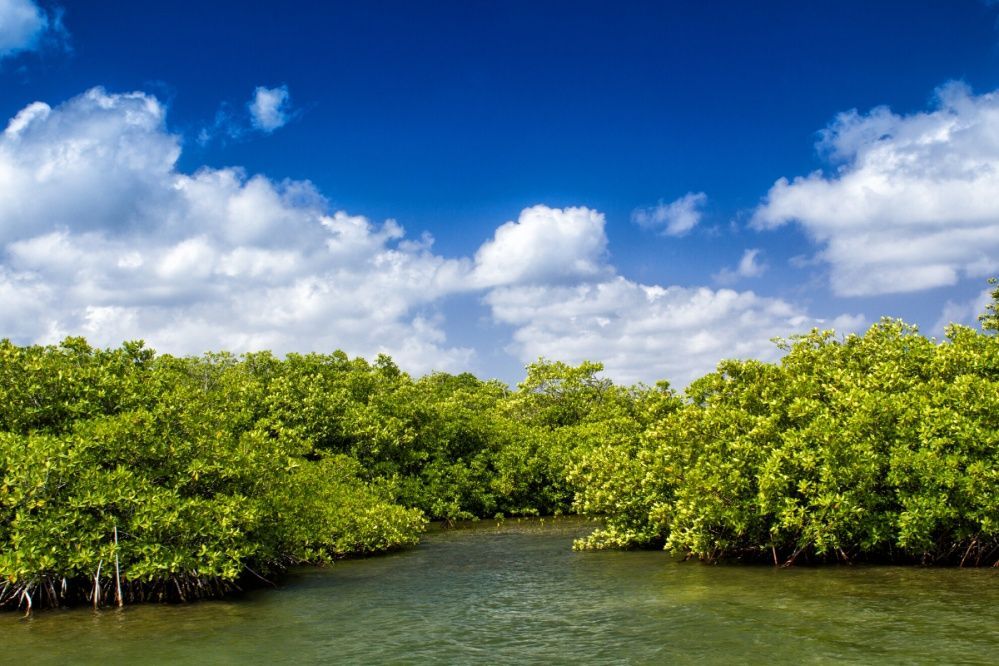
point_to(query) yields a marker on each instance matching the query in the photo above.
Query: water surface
(517, 593)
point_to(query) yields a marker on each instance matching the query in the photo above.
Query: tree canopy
(126, 475)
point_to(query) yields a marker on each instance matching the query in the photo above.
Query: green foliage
(990, 318)
(618, 477)
(878, 446)
(194, 473)
(180, 460)
(558, 414)
(177, 478)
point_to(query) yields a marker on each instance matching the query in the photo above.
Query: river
(517, 593)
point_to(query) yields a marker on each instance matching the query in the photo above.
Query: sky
(476, 185)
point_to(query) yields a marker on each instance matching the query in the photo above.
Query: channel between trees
(128, 476)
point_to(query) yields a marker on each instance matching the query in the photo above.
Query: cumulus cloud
(98, 161)
(548, 277)
(544, 245)
(911, 202)
(748, 267)
(672, 219)
(102, 235)
(648, 332)
(270, 108)
(24, 27)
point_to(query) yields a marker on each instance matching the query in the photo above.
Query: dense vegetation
(883, 446)
(127, 476)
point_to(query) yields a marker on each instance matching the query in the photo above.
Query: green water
(519, 594)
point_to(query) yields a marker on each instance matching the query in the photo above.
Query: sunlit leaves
(882, 445)
(184, 459)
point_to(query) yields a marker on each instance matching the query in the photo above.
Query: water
(519, 594)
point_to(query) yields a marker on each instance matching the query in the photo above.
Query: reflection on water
(517, 593)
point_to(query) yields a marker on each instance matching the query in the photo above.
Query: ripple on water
(517, 593)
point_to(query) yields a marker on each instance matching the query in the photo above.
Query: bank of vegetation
(130, 476)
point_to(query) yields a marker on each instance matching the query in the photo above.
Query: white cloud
(748, 267)
(24, 26)
(965, 312)
(22, 23)
(912, 204)
(270, 108)
(102, 235)
(544, 245)
(672, 219)
(645, 333)
(100, 160)
(548, 278)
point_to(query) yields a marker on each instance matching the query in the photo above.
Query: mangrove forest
(128, 476)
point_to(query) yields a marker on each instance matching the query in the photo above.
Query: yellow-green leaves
(880, 446)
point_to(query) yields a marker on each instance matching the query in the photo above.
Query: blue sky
(599, 181)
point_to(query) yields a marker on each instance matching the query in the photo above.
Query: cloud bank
(648, 332)
(101, 235)
(911, 205)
